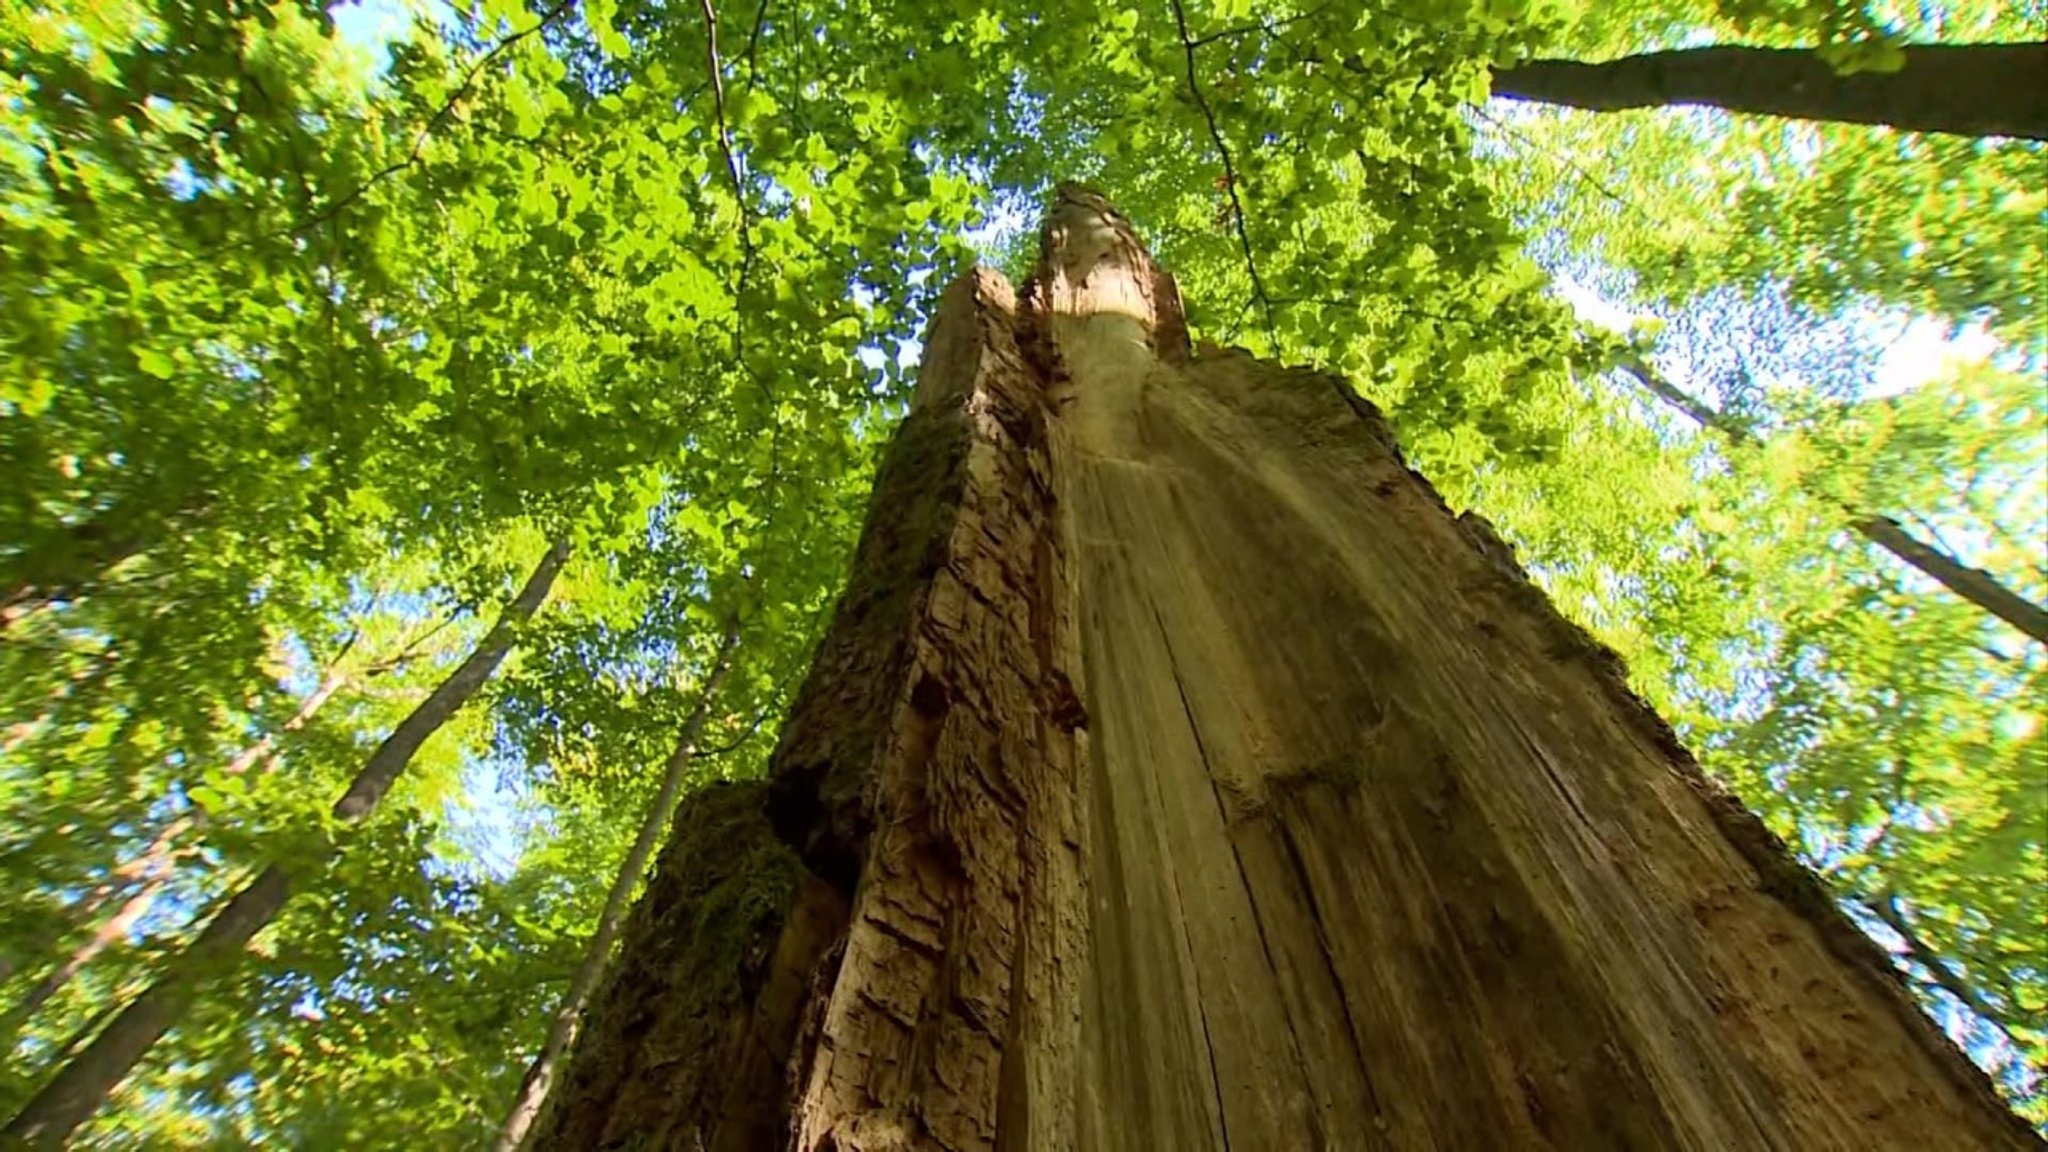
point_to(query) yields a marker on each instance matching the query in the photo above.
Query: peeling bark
(1180, 773)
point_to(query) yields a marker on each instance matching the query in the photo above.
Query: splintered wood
(1179, 773)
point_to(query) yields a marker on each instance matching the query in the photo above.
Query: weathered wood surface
(1179, 773)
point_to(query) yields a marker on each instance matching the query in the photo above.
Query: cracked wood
(1179, 773)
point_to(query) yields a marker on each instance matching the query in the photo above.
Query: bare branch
(739, 195)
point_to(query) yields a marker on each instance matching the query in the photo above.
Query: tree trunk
(82, 1085)
(69, 562)
(540, 1075)
(151, 869)
(1972, 584)
(1967, 89)
(1179, 773)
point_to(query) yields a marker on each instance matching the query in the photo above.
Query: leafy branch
(1269, 27)
(440, 116)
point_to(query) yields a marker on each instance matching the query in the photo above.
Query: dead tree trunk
(1179, 773)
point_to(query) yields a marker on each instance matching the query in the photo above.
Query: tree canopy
(322, 326)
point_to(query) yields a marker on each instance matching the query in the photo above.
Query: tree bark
(82, 1085)
(540, 1075)
(1965, 89)
(1179, 773)
(1972, 584)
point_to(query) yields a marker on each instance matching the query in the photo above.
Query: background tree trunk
(1967, 89)
(82, 1085)
(1179, 773)
(149, 873)
(540, 1075)
(1972, 584)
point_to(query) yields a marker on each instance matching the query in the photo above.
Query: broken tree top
(1180, 773)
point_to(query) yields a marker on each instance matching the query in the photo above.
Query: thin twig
(1933, 532)
(717, 71)
(411, 650)
(1269, 27)
(739, 195)
(760, 717)
(419, 142)
(754, 40)
(1567, 160)
(1244, 240)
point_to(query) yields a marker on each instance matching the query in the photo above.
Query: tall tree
(1966, 89)
(1179, 772)
(81, 1086)
(143, 879)
(568, 1015)
(1972, 584)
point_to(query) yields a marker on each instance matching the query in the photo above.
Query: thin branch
(412, 648)
(1886, 906)
(739, 196)
(1244, 240)
(734, 745)
(717, 72)
(439, 117)
(1933, 532)
(1269, 27)
(1565, 158)
(754, 40)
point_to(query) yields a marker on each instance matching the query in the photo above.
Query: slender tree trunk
(1972, 584)
(1886, 907)
(151, 869)
(540, 1075)
(83, 1084)
(1179, 773)
(1967, 89)
(64, 565)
